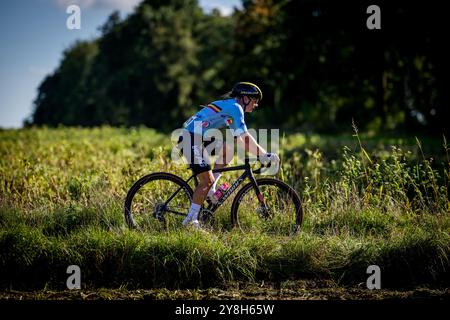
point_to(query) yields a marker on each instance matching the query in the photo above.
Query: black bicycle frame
(248, 173)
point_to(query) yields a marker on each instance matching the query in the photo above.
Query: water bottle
(219, 192)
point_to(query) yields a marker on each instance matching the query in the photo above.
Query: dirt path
(295, 290)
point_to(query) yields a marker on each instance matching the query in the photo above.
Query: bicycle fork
(263, 210)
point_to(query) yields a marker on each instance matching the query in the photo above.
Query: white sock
(192, 214)
(211, 191)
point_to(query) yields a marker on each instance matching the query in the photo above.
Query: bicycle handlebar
(257, 171)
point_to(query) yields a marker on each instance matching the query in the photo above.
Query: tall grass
(61, 203)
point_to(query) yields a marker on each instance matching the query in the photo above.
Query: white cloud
(225, 7)
(121, 5)
(224, 10)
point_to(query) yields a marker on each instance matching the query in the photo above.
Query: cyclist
(227, 112)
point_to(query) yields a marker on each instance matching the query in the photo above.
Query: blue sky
(33, 35)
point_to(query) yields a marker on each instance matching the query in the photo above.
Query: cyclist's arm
(247, 141)
(240, 131)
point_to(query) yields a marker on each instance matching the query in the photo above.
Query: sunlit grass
(62, 193)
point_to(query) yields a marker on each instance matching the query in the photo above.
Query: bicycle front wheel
(278, 212)
(158, 201)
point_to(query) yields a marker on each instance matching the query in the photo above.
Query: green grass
(61, 203)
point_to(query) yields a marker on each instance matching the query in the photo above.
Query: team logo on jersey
(229, 121)
(205, 124)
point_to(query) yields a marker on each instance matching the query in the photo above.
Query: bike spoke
(151, 207)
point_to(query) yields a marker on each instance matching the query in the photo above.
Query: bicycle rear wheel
(158, 201)
(282, 213)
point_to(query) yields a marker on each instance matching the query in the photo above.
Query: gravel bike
(162, 200)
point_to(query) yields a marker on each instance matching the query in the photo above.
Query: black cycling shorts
(197, 159)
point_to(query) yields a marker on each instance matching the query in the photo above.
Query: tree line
(317, 62)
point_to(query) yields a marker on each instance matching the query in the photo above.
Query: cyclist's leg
(202, 169)
(205, 181)
(224, 158)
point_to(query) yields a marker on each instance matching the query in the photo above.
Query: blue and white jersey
(218, 114)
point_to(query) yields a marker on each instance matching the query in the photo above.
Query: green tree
(61, 93)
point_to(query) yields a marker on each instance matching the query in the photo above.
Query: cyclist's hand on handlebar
(267, 158)
(272, 163)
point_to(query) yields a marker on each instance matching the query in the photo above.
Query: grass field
(367, 201)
